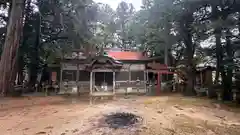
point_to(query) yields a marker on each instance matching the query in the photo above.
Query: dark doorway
(103, 77)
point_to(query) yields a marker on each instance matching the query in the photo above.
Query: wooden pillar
(46, 90)
(159, 83)
(93, 80)
(129, 79)
(77, 80)
(145, 81)
(114, 83)
(148, 81)
(91, 83)
(147, 78)
(91, 87)
(61, 76)
(129, 74)
(201, 78)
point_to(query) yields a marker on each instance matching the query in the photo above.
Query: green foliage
(105, 27)
(124, 18)
(52, 28)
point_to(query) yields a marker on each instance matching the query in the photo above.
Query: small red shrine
(159, 70)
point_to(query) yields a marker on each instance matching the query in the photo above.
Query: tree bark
(228, 74)
(35, 61)
(238, 70)
(227, 81)
(189, 54)
(219, 56)
(11, 45)
(124, 46)
(22, 48)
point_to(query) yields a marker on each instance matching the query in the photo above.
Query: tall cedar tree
(11, 45)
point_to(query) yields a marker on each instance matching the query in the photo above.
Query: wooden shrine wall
(125, 77)
(128, 75)
(69, 74)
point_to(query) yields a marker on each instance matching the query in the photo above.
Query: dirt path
(165, 115)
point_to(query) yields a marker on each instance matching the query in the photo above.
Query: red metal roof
(118, 55)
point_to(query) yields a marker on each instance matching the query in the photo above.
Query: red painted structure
(160, 69)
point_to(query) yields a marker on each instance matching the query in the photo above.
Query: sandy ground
(164, 115)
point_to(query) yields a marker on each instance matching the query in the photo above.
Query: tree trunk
(191, 75)
(189, 53)
(35, 61)
(8, 58)
(226, 76)
(227, 81)
(9, 11)
(218, 33)
(22, 48)
(13, 75)
(238, 70)
(124, 46)
(219, 54)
